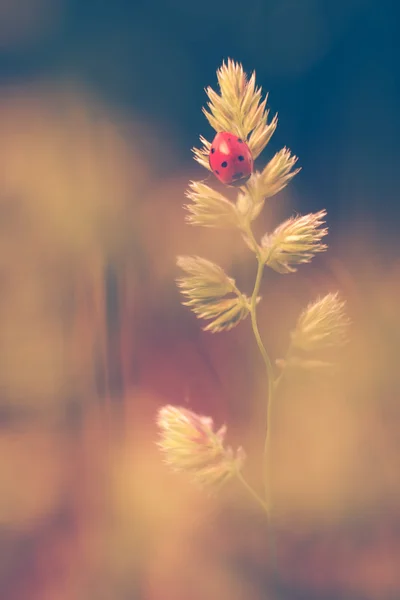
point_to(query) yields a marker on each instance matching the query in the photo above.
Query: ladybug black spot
(240, 141)
(224, 164)
(212, 150)
(238, 175)
(240, 158)
(217, 172)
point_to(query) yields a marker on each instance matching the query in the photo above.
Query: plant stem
(271, 387)
(252, 492)
(266, 359)
(253, 315)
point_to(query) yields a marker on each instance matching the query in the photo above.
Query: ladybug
(230, 159)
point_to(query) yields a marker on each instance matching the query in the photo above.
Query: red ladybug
(230, 159)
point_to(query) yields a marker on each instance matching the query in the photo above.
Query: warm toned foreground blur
(93, 340)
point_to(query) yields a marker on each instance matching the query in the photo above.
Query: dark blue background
(331, 68)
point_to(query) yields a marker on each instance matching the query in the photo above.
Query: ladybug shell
(230, 159)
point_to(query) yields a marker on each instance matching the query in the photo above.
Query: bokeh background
(100, 104)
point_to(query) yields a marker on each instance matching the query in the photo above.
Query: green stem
(271, 387)
(254, 324)
(266, 359)
(253, 493)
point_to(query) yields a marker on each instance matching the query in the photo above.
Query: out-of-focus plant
(188, 440)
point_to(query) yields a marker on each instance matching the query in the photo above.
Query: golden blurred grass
(75, 196)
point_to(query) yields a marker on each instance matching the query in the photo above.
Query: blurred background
(100, 105)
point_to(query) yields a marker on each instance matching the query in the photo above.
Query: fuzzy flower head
(237, 109)
(294, 242)
(209, 208)
(275, 175)
(191, 445)
(211, 294)
(322, 325)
